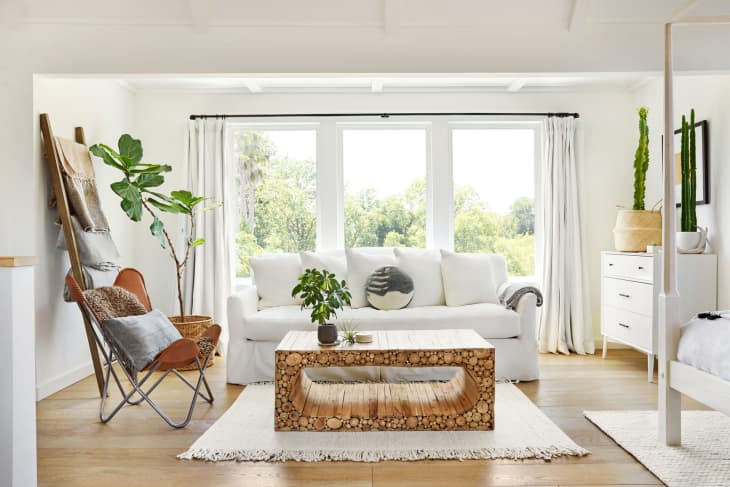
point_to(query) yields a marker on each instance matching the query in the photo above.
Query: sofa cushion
(275, 275)
(469, 278)
(334, 263)
(360, 264)
(489, 320)
(424, 267)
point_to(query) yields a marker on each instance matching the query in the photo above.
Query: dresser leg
(650, 364)
(605, 347)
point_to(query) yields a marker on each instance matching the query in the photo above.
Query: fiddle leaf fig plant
(321, 291)
(137, 190)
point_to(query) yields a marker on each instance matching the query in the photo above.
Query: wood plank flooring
(138, 449)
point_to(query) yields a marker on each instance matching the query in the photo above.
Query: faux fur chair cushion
(113, 302)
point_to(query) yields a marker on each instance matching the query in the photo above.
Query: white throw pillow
(359, 267)
(424, 267)
(275, 275)
(336, 264)
(468, 278)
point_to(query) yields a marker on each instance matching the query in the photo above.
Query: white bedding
(705, 345)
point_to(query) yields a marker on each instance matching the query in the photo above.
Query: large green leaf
(149, 180)
(126, 190)
(150, 169)
(168, 208)
(186, 197)
(156, 229)
(133, 209)
(100, 150)
(130, 148)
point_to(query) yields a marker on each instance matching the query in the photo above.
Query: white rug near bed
(702, 460)
(246, 433)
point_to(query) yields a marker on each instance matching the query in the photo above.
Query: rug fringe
(548, 453)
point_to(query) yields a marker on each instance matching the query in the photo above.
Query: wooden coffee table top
(387, 340)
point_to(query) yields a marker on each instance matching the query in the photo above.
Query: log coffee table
(466, 402)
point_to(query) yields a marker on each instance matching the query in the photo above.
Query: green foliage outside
(283, 213)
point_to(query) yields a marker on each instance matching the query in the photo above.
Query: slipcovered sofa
(261, 314)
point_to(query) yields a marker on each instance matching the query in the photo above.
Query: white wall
(710, 97)
(104, 109)
(605, 142)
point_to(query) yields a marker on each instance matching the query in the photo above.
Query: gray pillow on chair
(140, 338)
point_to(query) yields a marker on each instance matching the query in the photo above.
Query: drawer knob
(624, 325)
(623, 295)
(641, 268)
(610, 264)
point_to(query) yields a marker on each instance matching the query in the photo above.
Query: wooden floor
(138, 449)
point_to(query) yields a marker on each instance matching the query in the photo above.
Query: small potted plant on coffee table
(324, 294)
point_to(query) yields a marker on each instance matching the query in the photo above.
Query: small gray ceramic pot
(327, 333)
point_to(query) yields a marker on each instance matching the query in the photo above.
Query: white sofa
(255, 332)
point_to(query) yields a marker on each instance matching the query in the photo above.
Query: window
(277, 192)
(494, 194)
(385, 186)
(324, 183)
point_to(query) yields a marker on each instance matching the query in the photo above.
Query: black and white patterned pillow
(389, 288)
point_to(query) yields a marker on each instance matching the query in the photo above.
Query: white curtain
(210, 272)
(565, 323)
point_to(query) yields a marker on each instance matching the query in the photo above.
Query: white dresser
(630, 287)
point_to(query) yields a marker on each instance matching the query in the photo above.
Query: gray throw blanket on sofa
(511, 293)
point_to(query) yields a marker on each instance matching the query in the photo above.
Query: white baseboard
(62, 381)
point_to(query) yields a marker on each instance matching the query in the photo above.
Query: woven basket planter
(193, 327)
(635, 229)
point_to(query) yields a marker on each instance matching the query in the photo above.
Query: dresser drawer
(631, 328)
(637, 297)
(629, 267)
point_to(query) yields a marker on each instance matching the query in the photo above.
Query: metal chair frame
(111, 354)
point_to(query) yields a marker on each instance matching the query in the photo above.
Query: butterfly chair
(181, 353)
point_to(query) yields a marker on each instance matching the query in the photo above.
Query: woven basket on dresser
(193, 327)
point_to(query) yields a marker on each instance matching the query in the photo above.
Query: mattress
(705, 345)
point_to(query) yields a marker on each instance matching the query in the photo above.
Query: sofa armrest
(527, 309)
(240, 306)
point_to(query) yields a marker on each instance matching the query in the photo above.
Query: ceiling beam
(199, 15)
(391, 16)
(683, 9)
(516, 85)
(578, 15)
(253, 86)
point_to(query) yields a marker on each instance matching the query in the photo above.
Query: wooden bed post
(670, 405)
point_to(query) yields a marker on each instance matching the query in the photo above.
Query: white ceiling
(381, 36)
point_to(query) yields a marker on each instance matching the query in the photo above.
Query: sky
(499, 163)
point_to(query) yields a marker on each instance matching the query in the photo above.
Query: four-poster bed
(675, 377)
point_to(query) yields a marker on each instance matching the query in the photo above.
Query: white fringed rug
(246, 433)
(702, 460)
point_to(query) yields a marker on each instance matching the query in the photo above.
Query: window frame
(424, 125)
(330, 208)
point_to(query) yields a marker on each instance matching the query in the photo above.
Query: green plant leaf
(130, 149)
(126, 190)
(146, 180)
(100, 150)
(150, 168)
(183, 196)
(197, 242)
(133, 209)
(156, 229)
(167, 208)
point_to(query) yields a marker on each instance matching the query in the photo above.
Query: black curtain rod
(388, 115)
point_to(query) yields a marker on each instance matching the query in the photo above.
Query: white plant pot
(687, 241)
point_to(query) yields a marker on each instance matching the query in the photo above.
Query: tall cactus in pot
(688, 222)
(641, 161)
(636, 228)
